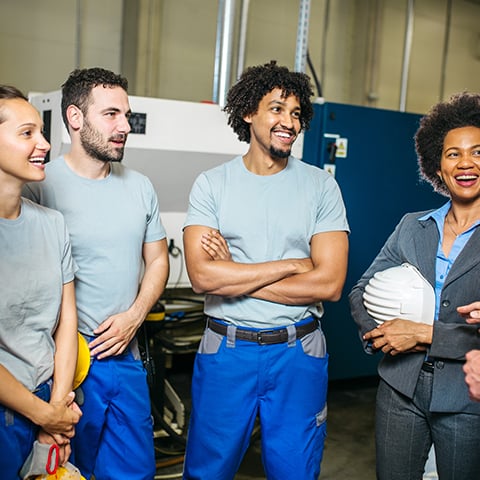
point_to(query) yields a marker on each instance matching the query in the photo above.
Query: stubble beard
(96, 147)
(280, 154)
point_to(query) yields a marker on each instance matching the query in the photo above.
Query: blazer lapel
(426, 244)
(467, 259)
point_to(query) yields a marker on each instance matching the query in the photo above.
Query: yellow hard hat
(83, 362)
(157, 313)
(63, 473)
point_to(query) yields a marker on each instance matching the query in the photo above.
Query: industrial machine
(371, 153)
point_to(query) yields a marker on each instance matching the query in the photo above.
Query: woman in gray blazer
(422, 397)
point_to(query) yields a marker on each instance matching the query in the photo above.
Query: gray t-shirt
(265, 218)
(35, 262)
(109, 221)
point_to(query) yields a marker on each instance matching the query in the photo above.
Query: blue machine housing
(375, 164)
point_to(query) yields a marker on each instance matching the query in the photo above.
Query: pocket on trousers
(210, 342)
(314, 344)
(321, 417)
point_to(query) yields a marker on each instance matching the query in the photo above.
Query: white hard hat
(400, 292)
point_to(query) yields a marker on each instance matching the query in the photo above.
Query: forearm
(151, 289)
(329, 254)
(16, 397)
(66, 346)
(64, 368)
(303, 289)
(154, 280)
(232, 279)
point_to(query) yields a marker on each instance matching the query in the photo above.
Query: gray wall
(166, 47)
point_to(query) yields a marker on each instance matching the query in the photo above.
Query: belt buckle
(428, 366)
(260, 334)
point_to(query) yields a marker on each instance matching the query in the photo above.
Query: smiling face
(460, 164)
(22, 146)
(105, 124)
(276, 124)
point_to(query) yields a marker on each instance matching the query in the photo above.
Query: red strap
(53, 452)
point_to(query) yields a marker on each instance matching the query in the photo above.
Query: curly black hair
(461, 110)
(76, 89)
(255, 82)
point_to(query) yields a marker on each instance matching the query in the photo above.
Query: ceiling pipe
(78, 34)
(407, 48)
(446, 42)
(302, 36)
(242, 40)
(223, 50)
(218, 51)
(326, 23)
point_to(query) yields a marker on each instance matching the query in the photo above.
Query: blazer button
(439, 364)
(446, 303)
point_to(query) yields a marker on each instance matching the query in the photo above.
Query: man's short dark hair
(461, 110)
(255, 82)
(78, 86)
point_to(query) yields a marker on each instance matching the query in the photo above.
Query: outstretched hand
(472, 373)
(470, 312)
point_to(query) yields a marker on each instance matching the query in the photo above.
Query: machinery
(372, 155)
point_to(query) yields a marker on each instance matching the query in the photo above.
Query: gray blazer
(416, 242)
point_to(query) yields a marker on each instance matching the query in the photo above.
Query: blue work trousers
(114, 438)
(406, 429)
(235, 381)
(17, 435)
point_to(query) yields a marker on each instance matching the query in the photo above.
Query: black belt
(428, 366)
(263, 337)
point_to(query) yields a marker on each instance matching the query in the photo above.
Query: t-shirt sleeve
(202, 209)
(331, 213)
(155, 230)
(69, 267)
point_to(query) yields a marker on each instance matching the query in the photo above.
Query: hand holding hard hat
(42, 463)
(400, 292)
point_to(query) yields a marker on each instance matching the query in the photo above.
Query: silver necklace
(450, 226)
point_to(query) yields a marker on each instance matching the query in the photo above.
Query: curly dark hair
(461, 110)
(76, 89)
(8, 92)
(255, 82)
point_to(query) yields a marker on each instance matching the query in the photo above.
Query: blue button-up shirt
(444, 263)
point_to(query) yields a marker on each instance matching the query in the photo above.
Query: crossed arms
(288, 281)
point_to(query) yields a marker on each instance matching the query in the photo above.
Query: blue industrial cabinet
(373, 154)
